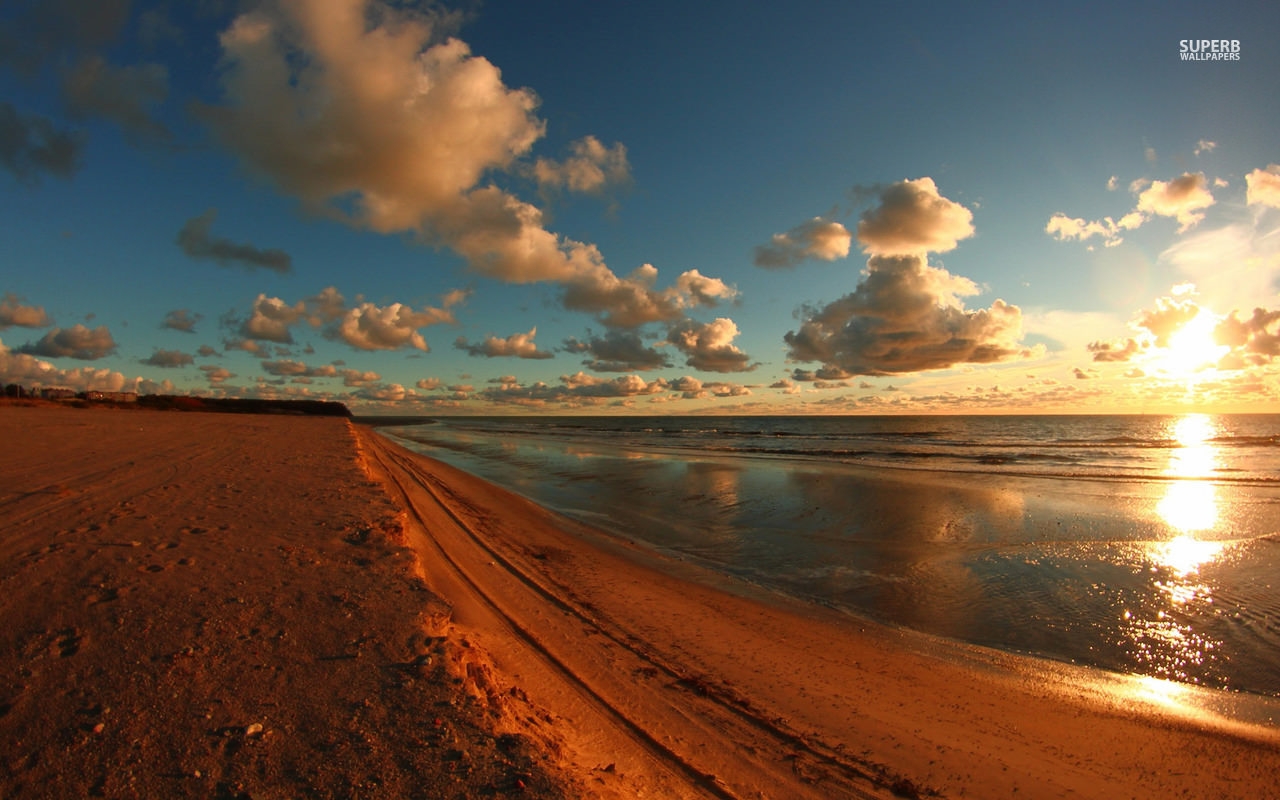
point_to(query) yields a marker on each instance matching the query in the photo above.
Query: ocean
(1145, 545)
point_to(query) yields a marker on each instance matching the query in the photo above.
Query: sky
(527, 206)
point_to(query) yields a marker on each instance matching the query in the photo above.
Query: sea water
(1147, 545)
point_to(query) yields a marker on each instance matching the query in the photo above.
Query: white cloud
(818, 238)
(913, 218)
(590, 169)
(1264, 186)
(1182, 198)
(709, 346)
(13, 312)
(517, 345)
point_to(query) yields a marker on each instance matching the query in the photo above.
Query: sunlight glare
(1191, 350)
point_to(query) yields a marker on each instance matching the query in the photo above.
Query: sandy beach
(213, 605)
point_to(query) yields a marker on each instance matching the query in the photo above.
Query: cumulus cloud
(27, 370)
(13, 312)
(913, 218)
(589, 169)
(126, 95)
(618, 351)
(78, 342)
(364, 325)
(1264, 186)
(271, 320)
(372, 327)
(1063, 228)
(633, 301)
(168, 359)
(215, 374)
(367, 113)
(1122, 350)
(1253, 340)
(1167, 318)
(905, 315)
(1205, 146)
(31, 145)
(517, 345)
(575, 390)
(818, 238)
(35, 31)
(408, 124)
(1182, 198)
(904, 318)
(197, 242)
(181, 319)
(709, 346)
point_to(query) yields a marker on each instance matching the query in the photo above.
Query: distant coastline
(169, 402)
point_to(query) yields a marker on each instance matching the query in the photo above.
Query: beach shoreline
(395, 627)
(775, 697)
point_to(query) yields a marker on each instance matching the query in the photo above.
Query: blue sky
(546, 207)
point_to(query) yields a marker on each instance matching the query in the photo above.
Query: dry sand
(172, 581)
(209, 605)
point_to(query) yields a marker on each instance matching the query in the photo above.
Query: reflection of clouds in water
(903, 546)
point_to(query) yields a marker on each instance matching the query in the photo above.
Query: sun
(1191, 350)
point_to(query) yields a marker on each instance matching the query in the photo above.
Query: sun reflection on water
(1162, 634)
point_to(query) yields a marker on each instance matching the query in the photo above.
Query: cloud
(77, 342)
(1167, 318)
(30, 145)
(590, 169)
(13, 312)
(195, 241)
(913, 218)
(575, 390)
(1264, 186)
(1114, 351)
(1205, 146)
(124, 95)
(517, 345)
(32, 35)
(1182, 198)
(618, 351)
(271, 319)
(1063, 228)
(364, 326)
(181, 320)
(709, 346)
(818, 238)
(168, 359)
(215, 374)
(366, 113)
(632, 301)
(905, 315)
(429, 384)
(24, 369)
(371, 327)
(338, 99)
(1254, 340)
(690, 388)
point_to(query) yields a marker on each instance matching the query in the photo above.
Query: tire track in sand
(683, 726)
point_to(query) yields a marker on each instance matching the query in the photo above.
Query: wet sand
(211, 605)
(669, 681)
